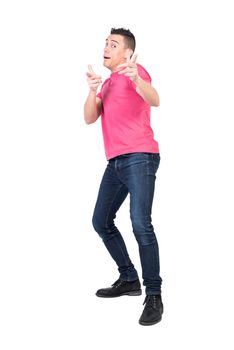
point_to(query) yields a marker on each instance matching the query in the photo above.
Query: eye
(113, 45)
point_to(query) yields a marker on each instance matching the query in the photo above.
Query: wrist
(137, 80)
(93, 91)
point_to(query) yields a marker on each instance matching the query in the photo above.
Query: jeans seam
(108, 213)
(107, 216)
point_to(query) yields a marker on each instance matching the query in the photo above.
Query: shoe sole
(150, 323)
(133, 293)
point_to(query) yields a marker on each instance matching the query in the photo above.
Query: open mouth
(106, 58)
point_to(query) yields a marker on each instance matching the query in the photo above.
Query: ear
(128, 53)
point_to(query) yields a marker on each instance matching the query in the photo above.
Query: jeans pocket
(153, 164)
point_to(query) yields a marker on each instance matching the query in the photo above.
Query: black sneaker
(120, 288)
(153, 310)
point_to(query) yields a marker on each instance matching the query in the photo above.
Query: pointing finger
(122, 65)
(93, 76)
(90, 69)
(128, 58)
(134, 58)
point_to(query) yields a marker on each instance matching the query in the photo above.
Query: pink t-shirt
(125, 116)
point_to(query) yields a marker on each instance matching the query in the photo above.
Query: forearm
(91, 112)
(147, 92)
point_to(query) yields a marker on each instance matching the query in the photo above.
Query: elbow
(155, 100)
(87, 117)
(155, 103)
(88, 121)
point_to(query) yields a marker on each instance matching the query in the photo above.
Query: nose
(106, 50)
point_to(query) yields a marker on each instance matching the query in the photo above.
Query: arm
(92, 108)
(93, 104)
(147, 92)
(143, 88)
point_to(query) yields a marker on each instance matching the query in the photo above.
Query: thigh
(112, 193)
(140, 178)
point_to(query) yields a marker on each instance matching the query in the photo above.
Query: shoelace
(152, 300)
(117, 283)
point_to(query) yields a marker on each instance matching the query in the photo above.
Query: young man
(133, 158)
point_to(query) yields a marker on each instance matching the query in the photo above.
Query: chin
(105, 64)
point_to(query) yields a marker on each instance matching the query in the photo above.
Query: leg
(111, 195)
(139, 177)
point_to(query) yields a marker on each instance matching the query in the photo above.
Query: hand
(93, 79)
(129, 69)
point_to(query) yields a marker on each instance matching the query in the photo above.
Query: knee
(141, 224)
(102, 227)
(143, 231)
(105, 230)
(97, 223)
(144, 239)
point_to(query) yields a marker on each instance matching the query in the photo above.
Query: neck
(115, 69)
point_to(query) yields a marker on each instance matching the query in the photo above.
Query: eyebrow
(115, 41)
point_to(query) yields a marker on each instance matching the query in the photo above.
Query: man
(133, 158)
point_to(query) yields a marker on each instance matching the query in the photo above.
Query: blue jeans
(132, 173)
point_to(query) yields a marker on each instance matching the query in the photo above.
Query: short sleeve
(99, 95)
(143, 73)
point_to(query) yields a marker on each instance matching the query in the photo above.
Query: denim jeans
(132, 173)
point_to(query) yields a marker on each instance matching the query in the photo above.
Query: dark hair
(129, 38)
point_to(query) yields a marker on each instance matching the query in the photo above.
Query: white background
(51, 260)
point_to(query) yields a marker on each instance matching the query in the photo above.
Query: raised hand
(93, 79)
(129, 69)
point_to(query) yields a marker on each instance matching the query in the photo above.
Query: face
(115, 52)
